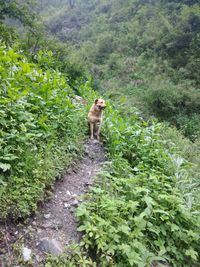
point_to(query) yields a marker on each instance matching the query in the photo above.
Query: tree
(19, 10)
(71, 3)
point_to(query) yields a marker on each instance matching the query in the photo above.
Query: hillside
(143, 209)
(42, 131)
(153, 46)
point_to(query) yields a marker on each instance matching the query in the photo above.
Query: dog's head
(100, 104)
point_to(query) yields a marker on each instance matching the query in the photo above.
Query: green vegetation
(40, 131)
(145, 50)
(144, 54)
(137, 215)
(15, 12)
(139, 205)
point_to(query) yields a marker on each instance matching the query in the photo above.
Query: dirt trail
(55, 220)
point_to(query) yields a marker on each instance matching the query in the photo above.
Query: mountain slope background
(145, 50)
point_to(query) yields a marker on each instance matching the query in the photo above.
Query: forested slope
(148, 50)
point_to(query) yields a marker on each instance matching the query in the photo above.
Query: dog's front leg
(91, 130)
(98, 131)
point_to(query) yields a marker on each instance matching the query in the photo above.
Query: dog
(95, 117)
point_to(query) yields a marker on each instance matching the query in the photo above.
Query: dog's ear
(96, 101)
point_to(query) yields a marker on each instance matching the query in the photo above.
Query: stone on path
(50, 246)
(26, 253)
(75, 203)
(47, 216)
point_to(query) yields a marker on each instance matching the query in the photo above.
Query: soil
(55, 219)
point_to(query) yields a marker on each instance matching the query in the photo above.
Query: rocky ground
(54, 225)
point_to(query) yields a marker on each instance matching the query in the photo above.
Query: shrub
(41, 131)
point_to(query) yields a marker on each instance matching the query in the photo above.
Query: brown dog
(95, 117)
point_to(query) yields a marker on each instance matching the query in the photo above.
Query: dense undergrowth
(41, 131)
(138, 214)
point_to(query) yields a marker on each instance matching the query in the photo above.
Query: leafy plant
(41, 131)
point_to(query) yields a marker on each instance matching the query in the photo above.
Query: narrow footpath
(54, 224)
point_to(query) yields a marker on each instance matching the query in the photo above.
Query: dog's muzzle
(100, 107)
